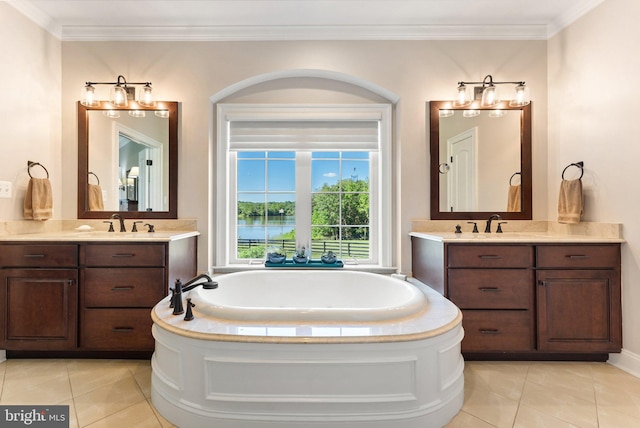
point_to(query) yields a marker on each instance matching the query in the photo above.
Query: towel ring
(578, 165)
(92, 173)
(514, 174)
(30, 164)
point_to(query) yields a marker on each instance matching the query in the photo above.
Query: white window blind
(309, 129)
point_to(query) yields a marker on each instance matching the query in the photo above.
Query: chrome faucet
(492, 217)
(119, 217)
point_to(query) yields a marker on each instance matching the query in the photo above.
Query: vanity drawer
(38, 255)
(491, 288)
(132, 288)
(490, 256)
(116, 329)
(122, 255)
(578, 256)
(497, 331)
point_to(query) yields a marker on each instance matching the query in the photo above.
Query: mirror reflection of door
(462, 177)
(140, 158)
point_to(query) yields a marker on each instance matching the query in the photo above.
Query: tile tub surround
(404, 372)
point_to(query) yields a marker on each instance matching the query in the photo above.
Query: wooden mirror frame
(525, 163)
(83, 163)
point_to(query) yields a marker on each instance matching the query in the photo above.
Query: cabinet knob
(542, 283)
(71, 282)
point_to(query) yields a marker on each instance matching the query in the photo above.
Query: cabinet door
(40, 308)
(579, 310)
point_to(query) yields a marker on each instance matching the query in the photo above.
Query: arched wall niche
(299, 86)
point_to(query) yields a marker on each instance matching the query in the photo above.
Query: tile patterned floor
(116, 393)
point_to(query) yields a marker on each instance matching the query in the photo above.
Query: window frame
(380, 171)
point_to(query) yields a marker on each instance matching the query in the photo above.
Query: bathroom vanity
(87, 293)
(527, 296)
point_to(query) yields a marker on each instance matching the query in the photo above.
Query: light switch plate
(5, 189)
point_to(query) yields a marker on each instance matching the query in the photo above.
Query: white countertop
(514, 237)
(99, 236)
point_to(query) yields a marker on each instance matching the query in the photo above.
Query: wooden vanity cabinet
(492, 285)
(120, 285)
(530, 300)
(579, 298)
(87, 298)
(39, 296)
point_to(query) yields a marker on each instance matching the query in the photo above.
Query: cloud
(330, 175)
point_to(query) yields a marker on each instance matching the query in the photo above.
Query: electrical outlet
(5, 189)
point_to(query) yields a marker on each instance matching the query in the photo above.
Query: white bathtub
(309, 349)
(309, 295)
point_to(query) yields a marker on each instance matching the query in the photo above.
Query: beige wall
(416, 71)
(593, 93)
(30, 108)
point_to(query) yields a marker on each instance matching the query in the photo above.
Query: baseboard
(627, 361)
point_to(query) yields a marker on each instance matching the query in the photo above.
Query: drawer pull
(122, 288)
(35, 256)
(489, 289)
(577, 256)
(489, 256)
(490, 331)
(123, 255)
(122, 329)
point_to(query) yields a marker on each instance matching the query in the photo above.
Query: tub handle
(490, 289)
(490, 331)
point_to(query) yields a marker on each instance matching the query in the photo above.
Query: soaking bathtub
(309, 348)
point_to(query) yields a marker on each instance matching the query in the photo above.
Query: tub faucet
(492, 217)
(119, 217)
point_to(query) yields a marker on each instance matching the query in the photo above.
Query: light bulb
(88, 96)
(146, 97)
(521, 96)
(489, 96)
(118, 96)
(461, 96)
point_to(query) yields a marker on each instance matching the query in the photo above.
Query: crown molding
(287, 33)
(571, 16)
(37, 16)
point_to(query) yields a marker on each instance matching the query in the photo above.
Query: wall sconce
(487, 93)
(121, 93)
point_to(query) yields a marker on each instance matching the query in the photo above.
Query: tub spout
(203, 279)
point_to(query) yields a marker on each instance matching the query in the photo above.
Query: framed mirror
(480, 161)
(128, 161)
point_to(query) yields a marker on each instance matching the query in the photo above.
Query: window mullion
(303, 199)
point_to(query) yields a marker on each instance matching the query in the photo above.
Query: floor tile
(139, 415)
(116, 393)
(87, 375)
(107, 400)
